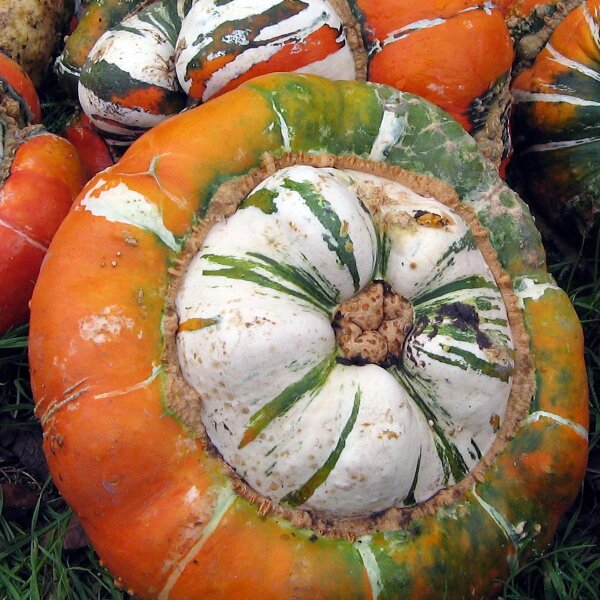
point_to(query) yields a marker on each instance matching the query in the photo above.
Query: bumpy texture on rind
(157, 505)
(31, 30)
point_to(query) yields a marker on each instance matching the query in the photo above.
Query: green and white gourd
(128, 82)
(298, 420)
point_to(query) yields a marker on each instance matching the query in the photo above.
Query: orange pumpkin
(165, 512)
(91, 147)
(41, 175)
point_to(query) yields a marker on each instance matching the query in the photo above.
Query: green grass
(33, 562)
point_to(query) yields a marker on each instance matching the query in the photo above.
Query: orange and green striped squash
(98, 17)
(167, 515)
(40, 177)
(555, 123)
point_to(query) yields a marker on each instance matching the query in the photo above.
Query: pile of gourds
(133, 64)
(300, 340)
(155, 58)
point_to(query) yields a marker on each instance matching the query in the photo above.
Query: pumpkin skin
(305, 37)
(42, 176)
(99, 16)
(91, 147)
(555, 121)
(110, 443)
(18, 95)
(458, 56)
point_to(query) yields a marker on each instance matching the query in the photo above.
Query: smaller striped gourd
(128, 82)
(220, 45)
(93, 19)
(556, 128)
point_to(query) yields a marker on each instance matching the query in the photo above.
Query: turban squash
(333, 219)
(555, 123)
(457, 54)
(97, 17)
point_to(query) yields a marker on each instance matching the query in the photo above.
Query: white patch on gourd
(528, 289)
(191, 495)
(23, 236)
(104, 326)
(391, 128)
(551, 146)
(523, 96)
(363, 545)
(284, 129)
(514, 533)
(255, 341)
(339, 65)
(571, 64)
(534, 417)
(121, 204)
(140, 385)
(402, 32)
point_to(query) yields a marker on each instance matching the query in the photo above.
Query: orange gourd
(91, 147)
(40, 176)
(452, 55)
(123, 438)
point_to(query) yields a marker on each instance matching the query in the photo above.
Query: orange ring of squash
(157, 507)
